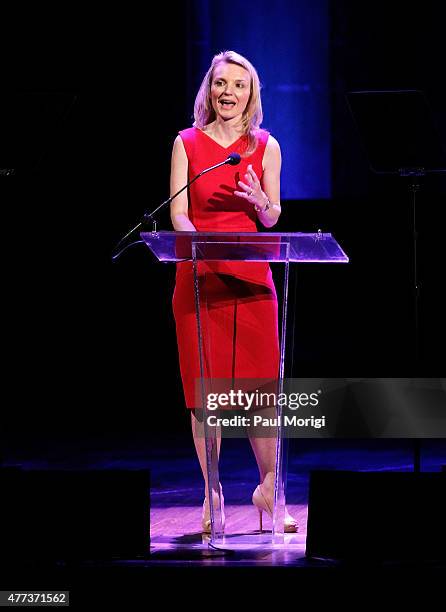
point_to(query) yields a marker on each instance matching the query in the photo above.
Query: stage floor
(177, 487)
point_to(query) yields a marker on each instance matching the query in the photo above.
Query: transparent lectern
(286, 248)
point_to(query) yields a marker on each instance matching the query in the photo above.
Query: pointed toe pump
(263, 503)
(206, 514)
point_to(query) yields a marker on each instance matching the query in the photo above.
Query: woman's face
(230, 90)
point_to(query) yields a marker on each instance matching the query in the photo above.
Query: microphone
(233, 159)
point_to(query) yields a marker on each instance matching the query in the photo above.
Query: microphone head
(233, 159)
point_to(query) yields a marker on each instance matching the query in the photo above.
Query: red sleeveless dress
(240, 324)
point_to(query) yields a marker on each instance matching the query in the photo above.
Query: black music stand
(399, 136)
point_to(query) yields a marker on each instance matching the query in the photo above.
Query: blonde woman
(242, 334)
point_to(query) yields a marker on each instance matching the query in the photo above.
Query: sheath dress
(239, 312)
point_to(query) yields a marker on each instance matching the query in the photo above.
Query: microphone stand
(380, 117)
(233, 159)
(414, 175)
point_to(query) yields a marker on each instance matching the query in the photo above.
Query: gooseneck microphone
(233, 159)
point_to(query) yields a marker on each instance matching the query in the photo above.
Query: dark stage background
(89, 345)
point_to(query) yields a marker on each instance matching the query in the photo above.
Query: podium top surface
(318, 247)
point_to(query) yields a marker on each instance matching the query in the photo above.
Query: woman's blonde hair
(252, 116)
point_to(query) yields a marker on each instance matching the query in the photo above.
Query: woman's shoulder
(188, 133)
(265, 136)
(267, 140)
(273, 156)
(187, 138)
(272, 143)
(262, 135)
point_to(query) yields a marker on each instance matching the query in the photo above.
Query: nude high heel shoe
(262, 503)
(206, 514)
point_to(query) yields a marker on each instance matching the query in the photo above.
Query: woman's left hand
(252, 190)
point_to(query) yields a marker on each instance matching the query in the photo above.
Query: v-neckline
(217, 143)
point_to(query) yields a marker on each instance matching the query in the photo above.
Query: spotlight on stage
(49, 515)
(377, 516)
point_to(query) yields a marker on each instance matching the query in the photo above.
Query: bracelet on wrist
(263, 210)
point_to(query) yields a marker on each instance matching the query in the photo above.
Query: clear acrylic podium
(286, 248)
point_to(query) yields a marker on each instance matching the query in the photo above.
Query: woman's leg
(200, 446)
(265, 454)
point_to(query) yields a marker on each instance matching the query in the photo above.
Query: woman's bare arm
(178, 178)
(271, 182)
